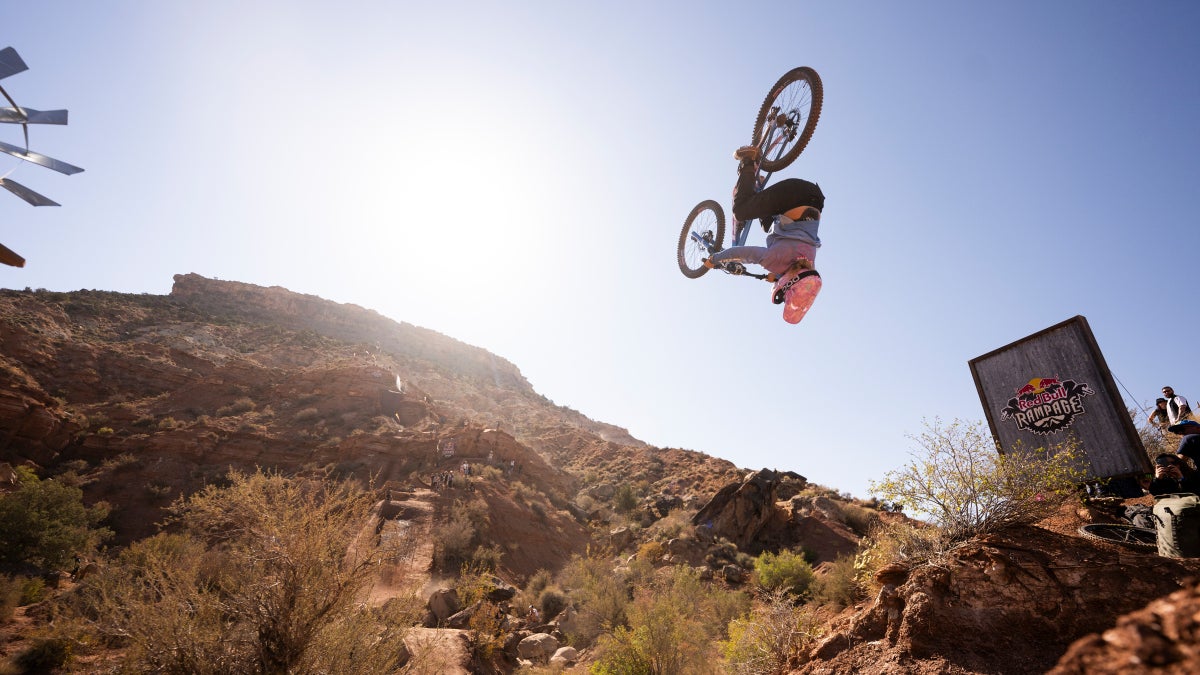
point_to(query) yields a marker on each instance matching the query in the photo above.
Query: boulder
(567, 621)
(501, 590)
(538, 647)
(565, 656)
(686, 551)
(739, 511)
(665, 504)
(620, 538)
(439, 650)
(443, 603)
(462, 618)
(602, 492)
(733, 574)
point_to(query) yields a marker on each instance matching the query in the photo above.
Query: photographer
(1172, 474)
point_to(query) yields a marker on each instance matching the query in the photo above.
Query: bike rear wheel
(1118, 533)
(707, 223)
(797, 97)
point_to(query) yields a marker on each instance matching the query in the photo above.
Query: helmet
(796, 290)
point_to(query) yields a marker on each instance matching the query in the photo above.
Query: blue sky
(515, 175)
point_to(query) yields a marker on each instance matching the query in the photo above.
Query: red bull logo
(1046, 404)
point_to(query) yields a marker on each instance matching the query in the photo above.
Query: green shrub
(33, 590)
(958, 478)
(624, 499)
(786, 571)
(487, 558)
(123, 459)
(45, 655)
(45, 524)
(600, 597)
(674, 627)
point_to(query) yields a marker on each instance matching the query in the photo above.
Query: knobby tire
(811, 101)
(707, 216)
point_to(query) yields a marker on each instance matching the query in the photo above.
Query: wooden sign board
(1052, 387)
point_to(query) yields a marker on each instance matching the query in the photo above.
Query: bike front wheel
(702, 234)
(795, 104)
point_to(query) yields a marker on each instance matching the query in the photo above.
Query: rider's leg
(742, 254)
(775, 199)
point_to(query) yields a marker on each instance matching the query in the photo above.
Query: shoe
(747, 152)
(709, 263)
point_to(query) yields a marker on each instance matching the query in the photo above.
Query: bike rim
(795, 101)
(695, 252)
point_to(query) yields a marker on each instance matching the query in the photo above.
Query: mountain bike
(785, 123)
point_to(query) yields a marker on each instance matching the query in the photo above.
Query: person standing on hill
(1158, 417)
(1177, 406)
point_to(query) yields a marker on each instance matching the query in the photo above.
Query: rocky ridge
(143, 398)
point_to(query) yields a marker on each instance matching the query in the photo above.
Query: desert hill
(140, 399)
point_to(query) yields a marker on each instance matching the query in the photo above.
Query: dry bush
(10, 597)
(489, 628)
(912, 543)
(306, 415)
(454, 543)
(959, 479)
(671, 526)
(242, 405)
(599, 595)
(858, 518)
(264, 576)
(838, 584)
(773, 638)
(651, 552)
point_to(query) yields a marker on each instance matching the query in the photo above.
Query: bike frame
(772, 141)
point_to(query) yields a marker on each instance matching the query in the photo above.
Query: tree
(960, 480)
(265, 576)
(43, 523)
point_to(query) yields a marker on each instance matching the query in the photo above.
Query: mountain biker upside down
(795, 207)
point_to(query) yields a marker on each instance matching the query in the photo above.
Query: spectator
(1177, 406)
(1159, 416)
(1172, 474)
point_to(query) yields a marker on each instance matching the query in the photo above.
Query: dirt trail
(406, 517)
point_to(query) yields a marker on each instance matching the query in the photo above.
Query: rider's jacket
(802, 230)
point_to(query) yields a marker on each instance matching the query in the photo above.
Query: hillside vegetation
(233, 478)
